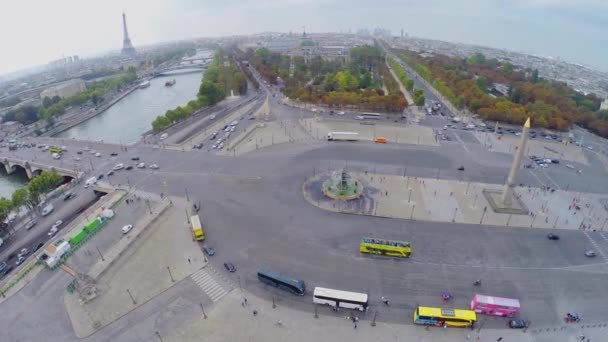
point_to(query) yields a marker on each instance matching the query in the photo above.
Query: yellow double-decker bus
(197, 228)
(394, 248)
(445, 317)
(55, 150)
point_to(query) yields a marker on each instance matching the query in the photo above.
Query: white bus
(370, 116)
(340, 299)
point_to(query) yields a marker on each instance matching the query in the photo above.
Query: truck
(197, 228)
(342, 136)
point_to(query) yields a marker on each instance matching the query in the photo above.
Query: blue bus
(281, 281)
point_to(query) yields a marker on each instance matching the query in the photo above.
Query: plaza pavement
(160, 255)
(429, 199)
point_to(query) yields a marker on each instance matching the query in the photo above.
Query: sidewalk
(144, 264)
(229, 321)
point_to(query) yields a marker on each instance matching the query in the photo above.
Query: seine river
(126, 120)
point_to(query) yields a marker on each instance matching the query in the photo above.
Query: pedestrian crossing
(595, 244)
(208, 284)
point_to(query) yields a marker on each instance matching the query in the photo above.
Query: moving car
(209, 250)
(30, 224)
(461, 168)
(141, 166)
(590, 253)
(135, 158)
(127, 228)
(517, 323)
(552, 236)
(153, 166)
(113, 154)
(68, 195)
(118, 166)
(97, 154)
(20, 260)
(129, 167)
(47, 210)
(229, 267)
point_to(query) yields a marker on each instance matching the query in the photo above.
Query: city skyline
(550, 28)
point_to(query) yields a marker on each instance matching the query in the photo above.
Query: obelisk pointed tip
(527, 124)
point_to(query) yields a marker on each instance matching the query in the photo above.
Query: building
(604, 105)
(65, 89)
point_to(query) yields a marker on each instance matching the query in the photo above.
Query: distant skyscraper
(401, 33)
(127, 47)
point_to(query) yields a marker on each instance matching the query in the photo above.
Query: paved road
(255, 215)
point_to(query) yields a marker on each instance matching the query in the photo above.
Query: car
(220, 146)
(229, 267)
(100, 176)
(19, 261)
(118, 166)
(129, 167)
(57, 224)
(590, 253)
(517, 324)
(555, 161)
(3, 266)
(213, 136)
(570, 166)
(23, 252)
(47, 210)
(209, 250)
(251, 118)
(97, 154)
(141, 165)
(68, 195)
(79, 152)
(135, 158)
(552, 236)
(461, 168)
(38, 246)
(126, 228)
(212, 117)
(445, 127)
(7, 270)
(77, 159)
(92, 152)
(110, 173)
(153, 166)
(30, 224)
(543, 165)
(113, 154)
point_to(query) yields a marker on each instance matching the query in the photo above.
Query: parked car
(20, 260)
(127, 228)
(110, 173)
(209, 250)
(97, 154)
(153, 166)
(37, 247)
(135, 158)
(461, 168)
(129, 167)
(552, 236)
(113, 154)
(141, 165)
(229, 267)
(7, 270)
(23, 252)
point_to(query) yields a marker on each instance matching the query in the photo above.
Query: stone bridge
(33, 169)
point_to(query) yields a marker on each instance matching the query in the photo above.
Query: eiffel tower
(127, 47)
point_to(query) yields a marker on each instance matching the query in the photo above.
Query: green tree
(419, 100)
(47, 102)
(366, 81)
(160, 122)
(346, 81)
(409, 85)
(534, 78)
(212, 92)
(19, 197)
(6, 206)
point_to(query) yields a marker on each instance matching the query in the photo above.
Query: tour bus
(495, 306)
(441, 317)
(281, 281)
(197, 229)
(385, 247)
(370, 116)
(340, 299)
(56, 150)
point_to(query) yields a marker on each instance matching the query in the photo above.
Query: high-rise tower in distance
(127, 47)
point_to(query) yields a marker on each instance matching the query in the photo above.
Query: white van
(164, 136)
(90, 181)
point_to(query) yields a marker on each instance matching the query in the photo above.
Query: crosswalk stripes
(603, 236)
(208, 284)
(597, 247)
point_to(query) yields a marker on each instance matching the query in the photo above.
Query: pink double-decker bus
(496, 306)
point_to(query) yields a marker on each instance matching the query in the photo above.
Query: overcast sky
(37, 31)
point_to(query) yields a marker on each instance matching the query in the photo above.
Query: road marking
(603, 236)
(597, 247)
(461, 142)
(209, 286)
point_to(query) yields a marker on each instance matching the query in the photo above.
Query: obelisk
(507, 194)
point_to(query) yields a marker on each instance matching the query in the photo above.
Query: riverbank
(87, 116)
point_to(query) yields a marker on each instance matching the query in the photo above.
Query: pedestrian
(190, 262)
(255, 313)
(499, 339)
(245, 300)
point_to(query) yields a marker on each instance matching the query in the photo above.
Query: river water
(126, 120)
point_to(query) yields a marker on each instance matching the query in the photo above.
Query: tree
(47, 102)
(20, 197)
(160, 122)
(346, 81)
(534, 78)
(6, 206)
(409, 85)
(366, 80)
(212, 92)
